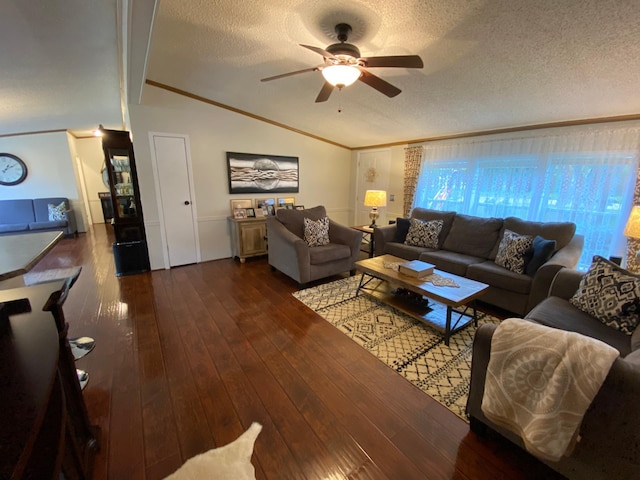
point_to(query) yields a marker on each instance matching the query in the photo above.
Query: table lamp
(632, 229)
(375, 199)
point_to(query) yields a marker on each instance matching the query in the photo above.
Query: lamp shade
(632, 229)
(375, 198)
(341, 75)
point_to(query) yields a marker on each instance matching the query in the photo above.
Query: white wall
(325, 170)
(51, 171)
(90, 152)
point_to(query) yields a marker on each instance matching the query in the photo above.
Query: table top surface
(454, 296)
(19, 253)
(363, 228)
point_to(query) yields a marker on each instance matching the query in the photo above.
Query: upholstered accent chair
(291, 254)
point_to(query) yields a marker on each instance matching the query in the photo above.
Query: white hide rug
(231, 462)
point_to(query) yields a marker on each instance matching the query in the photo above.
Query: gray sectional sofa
(467, 246)
(32, 215)
(609, 445)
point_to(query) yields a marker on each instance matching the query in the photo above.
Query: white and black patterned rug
(410, 347)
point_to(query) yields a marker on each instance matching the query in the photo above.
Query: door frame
(156, 182)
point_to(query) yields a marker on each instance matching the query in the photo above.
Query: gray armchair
(290, 254)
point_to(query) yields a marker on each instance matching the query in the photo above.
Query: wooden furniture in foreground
(20, 253)
(248, 237)
(45, 423)
(453, 297)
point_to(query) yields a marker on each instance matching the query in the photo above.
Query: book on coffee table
(416, 269)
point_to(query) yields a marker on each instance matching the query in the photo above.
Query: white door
(174, 184)
(373, 174)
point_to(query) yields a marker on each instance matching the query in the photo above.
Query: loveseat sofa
(27, 215)
(468, 246)
(609, 445)
(292, 255)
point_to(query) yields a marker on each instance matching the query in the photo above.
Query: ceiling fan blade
(275, 77)
(379, 84)
(321, 51)
(326, 90)
(404, 61)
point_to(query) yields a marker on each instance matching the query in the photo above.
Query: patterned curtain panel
(412, 161)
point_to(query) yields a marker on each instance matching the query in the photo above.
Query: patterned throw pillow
(316, 232)
(611, 294)
(424, 233)
(514, 251)
(57, 212)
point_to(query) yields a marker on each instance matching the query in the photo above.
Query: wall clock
(12, 169)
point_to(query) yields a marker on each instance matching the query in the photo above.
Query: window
(585, 178)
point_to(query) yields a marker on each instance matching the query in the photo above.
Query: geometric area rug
(410, 347)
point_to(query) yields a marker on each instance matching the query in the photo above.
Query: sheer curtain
(584, 175)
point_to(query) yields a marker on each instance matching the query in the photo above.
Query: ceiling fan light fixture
(341, 75)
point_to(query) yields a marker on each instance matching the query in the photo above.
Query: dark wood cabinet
(128, 221)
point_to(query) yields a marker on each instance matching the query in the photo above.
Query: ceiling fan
(343, 65)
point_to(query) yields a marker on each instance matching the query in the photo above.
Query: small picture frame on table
(239, 213)
(240, 203)
(251, 213)
(298, 207)
(270, 210)
(281, 202)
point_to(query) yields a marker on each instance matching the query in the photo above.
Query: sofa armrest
(72, 227)
(565, 284)
(346, 236)
(566, 257)
(382, 235)
(287, 252)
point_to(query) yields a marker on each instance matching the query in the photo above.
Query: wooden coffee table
(452, 297)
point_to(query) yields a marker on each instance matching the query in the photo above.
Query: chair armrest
(286, 251)
(346, 236)
(382, 235)
(566, 257)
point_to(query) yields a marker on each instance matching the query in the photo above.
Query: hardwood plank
(187, 358)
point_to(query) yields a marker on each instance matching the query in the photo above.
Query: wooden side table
(367, 238)
(248, 237)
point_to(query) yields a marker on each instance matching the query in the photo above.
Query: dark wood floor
(188, 358)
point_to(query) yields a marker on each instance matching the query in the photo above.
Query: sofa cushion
(328, 253)
(402, 250)
(561, 232)
(427, 214)
(316, 232)
(402, 228)
(17, 212)
(611, 294)
(294, 219)
(41, 207)
(61, 224)
(492, 274)
(543, 250)
(13, 227)
(474, 236)
(424, 233)
(514, 251)
(452, 262)
(559, 313)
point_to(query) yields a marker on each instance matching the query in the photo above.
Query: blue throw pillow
(402, 228)
(543, 249)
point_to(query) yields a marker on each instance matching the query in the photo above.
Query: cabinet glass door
(125, 199)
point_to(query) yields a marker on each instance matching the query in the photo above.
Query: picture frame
(240, 203)
(271, 210)
(261, 202)
(251, 213)
(239, 213)
(281, 202)
(260, 173)
(298, 207)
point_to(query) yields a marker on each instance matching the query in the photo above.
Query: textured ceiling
(489, 64)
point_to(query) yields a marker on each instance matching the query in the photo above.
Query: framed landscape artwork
(266, 174)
